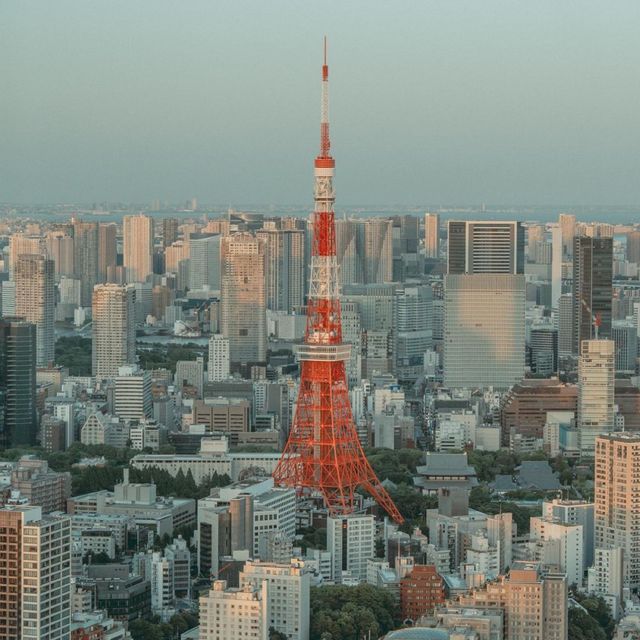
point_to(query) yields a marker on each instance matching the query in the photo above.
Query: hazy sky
(513, 101)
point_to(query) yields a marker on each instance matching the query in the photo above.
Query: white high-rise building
(574, 512)
(287, 593)
(431, 235)
(617, 495)
(596, 383)
(218, 367)
(35, 301)
(351, 541)
(606, 577)
(114, 329)
(132, 396)
(484, 330)
(46, 578)
(234, 614)
(159, 572)
(137, 236)
(243, 305)
(560, 544)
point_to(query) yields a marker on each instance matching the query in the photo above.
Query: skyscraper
(243, 315)
(633, 246)
(413, 330)
(107, 249)
(137, 236)
(35, 302)
(485, 247)
(284, 268)
(34, 603)
(18, 417)
(617, 494)
(204, 261)
(484, 330)
(596, 383)
(432, 235)
(484, 327)
(565, 325)
(86, 254)
(592, 288)
(21, 243)
(114, 331)
(169, 231)
(60, 250)
(567, 222)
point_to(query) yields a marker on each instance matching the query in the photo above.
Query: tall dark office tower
(169, 231)
(592, 288)
(107, 249)
(485, 247)
(86, 252)
(406, 231)
(18, 419)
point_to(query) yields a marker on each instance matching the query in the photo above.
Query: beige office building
(431, 235)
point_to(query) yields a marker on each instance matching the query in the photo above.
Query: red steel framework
(323, 453)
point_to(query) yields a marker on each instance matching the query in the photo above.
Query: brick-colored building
(420, 592)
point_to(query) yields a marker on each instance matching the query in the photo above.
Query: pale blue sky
(497, 101)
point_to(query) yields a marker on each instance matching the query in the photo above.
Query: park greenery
(352, 613)
(591, 620)
(154, 629)
(74, 352)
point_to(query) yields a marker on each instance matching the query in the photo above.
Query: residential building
(606, 577)
(114, 334)
(288, 587)
(351, 541)
(137, 236)
(234, 614)
(107, 250)
(41, 486)
(86, 258)
(535, 604)
(617, 494)
(596, 386)
(218, 366)
(35, 301)
(421, 591)
(574, 512)
(190, 373)
(432, 235)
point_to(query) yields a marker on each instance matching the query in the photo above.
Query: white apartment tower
(35, 301)
(137, 236)
(243, 305)
(234, 614)
(218, 367)
(287, 593)
(617, 496)
(596, 383)
(431, 235)
(351, 541)
(114, 330)
(46, 578)
(132, 396)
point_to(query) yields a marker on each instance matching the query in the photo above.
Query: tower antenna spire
(323, 453)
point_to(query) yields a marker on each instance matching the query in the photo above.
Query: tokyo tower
(323, 453)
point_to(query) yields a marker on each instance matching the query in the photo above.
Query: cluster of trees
(182, 486)
(154, 629)
(482, 500)
(74, 352)
(352, 613)
(592, 620)
(165, 356)
(312, 538)
(397, 465)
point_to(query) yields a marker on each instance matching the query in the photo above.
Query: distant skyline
(498, 101)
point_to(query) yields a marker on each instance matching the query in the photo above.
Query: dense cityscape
(287, 423)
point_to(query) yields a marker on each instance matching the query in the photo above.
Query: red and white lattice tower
(323, 453)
